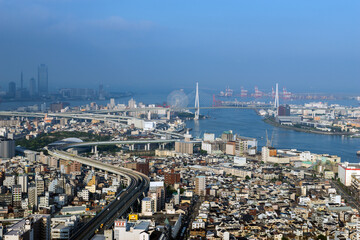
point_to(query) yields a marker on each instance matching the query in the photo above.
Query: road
(349, 199)
(138, 184)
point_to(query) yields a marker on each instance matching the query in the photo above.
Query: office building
(200, 185)
(184, 147)
(42, 80)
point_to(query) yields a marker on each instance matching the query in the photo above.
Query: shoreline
(275, 124)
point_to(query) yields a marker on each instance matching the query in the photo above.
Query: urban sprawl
(134, 171)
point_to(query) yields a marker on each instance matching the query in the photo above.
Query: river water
(246, 122)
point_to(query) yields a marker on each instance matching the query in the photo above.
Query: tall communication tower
(197, 105)
(276, 104)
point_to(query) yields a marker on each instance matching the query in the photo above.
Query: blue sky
(307, 46)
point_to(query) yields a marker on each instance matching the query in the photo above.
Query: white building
(125, 230)
(239, 161)
(147, 206)
(61, 227)
(44, 201)
(199, 224)
(209, 137)
(345, 170)
(23, 181)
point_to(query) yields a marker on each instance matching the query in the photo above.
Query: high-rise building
(40, 186)
(33, 198)
(42, 80)
(12, 90)
(184, 147)
(16, 195)
(23, 181)
(200, 185)
(157, 192)
(32, 87)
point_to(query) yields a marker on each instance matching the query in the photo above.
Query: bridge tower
(197, 105)
(276, 103)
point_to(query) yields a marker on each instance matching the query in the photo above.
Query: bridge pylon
(197, 105)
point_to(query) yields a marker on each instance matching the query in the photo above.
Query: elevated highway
(138, 185)
(85, 144)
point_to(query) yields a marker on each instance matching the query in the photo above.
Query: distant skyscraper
(32, 87)
(12, 90)
(42, 80)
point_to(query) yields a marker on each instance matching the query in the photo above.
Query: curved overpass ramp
(138, 184)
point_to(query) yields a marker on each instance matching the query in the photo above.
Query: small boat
(358, 153)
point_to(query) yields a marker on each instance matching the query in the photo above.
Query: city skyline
(125, 120)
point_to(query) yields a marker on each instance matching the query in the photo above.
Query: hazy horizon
(305, 46)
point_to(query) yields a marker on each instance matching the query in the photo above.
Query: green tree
(321, 237)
